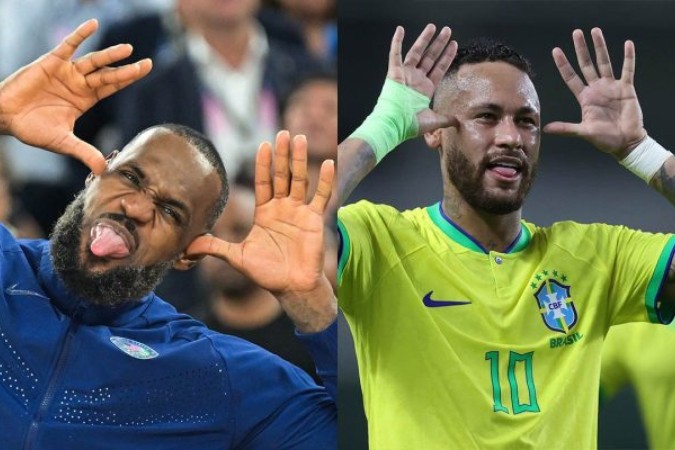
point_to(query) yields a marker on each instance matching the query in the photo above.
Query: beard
(468, 179)
(114, 287)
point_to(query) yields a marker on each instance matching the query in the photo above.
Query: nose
(138, 207)
(508, 135)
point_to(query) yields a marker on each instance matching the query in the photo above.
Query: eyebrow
(498, 108)
(166, 200)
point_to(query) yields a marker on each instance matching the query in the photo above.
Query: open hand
(423, 68)
(611, 117)
(40, 103)
(284, 251)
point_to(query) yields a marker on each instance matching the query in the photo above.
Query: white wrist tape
(646, 159)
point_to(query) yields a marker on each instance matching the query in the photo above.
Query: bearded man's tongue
(107, 243)
(505, 171)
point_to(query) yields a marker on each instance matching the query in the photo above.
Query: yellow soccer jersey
(463, 348)
(637, 354)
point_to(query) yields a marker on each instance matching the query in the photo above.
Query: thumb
(430, 121)
(563, 128)
(73, 146)
(213, 246)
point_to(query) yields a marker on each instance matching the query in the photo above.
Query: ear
(433, 138)
(185, 263)
(108, 160)
(189, 259)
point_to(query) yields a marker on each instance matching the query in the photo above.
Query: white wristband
(646, 159)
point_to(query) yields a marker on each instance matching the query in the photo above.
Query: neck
(230, 43)
(254, 309)
(494, 232)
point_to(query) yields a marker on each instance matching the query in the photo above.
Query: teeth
(509, 165)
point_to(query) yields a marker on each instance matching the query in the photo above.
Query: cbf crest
(554, 300)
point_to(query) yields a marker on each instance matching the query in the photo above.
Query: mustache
(121, 219)
(525, 165)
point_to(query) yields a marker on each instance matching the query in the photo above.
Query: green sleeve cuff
(343, 250)
(660, 312)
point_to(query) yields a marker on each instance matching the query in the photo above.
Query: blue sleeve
(275, 404)
(323, 349)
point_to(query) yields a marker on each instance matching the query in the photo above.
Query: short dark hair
(487, 50)
(203, 145)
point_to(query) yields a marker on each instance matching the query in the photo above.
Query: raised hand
(284, 251)
(40, 103)
(611, 117)
(423, 68)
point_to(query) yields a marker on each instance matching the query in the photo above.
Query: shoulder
(186, 335)
(29, 250)
(569, 233)
(179, 327)
(136, 30)
(375, 211)
(281, 28)
(380, 218)
(7, 240)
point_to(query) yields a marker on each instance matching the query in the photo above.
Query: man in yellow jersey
(473, 328)
(636, 354)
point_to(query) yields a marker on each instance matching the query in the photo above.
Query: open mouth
(110, 239)
(506, 168)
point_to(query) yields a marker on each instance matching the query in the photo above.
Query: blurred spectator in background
(637, 355)
(217, 70)
(318, 20)
(311, 109)
(29, 29)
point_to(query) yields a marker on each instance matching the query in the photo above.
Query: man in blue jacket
(89, 356)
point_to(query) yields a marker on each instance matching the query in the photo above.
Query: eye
(527, 121)
(170, 212)
(486, 117)
(131, 177)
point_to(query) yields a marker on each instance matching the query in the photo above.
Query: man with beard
(89, 356)
(473, 328)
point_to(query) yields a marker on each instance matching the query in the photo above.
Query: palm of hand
(610, 114)
(287, 239)
(61, 98)
(413, 77)
(40, 103)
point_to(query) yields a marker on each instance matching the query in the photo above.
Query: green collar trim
(457, 234)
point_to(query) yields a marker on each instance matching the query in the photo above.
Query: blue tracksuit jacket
(75, 376)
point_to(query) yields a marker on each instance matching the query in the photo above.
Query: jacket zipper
(51, 386)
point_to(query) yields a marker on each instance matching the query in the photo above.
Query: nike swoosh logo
(12, 291)
(429, 302)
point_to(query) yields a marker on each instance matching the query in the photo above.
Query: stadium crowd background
(574, 181)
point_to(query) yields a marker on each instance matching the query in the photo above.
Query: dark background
(575, 181)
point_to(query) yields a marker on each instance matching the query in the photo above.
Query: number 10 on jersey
(519, 375)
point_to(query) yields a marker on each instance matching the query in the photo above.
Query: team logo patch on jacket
(133, 348)
(555, 302)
